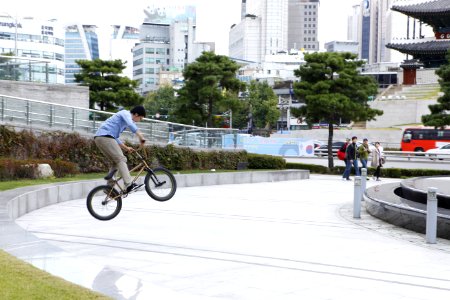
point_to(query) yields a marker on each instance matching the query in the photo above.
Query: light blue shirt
(116, 124)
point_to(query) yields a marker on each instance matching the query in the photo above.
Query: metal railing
(40, 115)
(398, 155)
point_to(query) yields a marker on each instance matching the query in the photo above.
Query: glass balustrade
(41, 115)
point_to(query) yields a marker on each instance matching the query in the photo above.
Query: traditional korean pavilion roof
(426, 47)
(435, 13)
(431, 53)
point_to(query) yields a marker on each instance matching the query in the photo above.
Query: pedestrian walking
(351, 155)
(377, 161)
(364, 151)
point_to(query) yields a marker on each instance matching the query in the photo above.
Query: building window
(150, 50)
(138, 52)
(138, 62)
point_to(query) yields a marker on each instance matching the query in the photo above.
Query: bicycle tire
(100, 209)
(162, 192)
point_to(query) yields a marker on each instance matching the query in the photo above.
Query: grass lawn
(12, 184)
(20, 280)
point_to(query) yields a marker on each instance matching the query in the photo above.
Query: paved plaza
(277, 240)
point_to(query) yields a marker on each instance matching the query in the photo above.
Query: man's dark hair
(354, 137)
(139, 110)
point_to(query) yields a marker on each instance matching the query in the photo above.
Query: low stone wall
(77, 96)
(30, 201)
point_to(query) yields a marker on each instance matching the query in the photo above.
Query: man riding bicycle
(108, 141)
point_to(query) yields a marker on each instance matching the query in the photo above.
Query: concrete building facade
(303, 25)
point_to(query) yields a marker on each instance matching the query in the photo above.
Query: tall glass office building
(81, 43)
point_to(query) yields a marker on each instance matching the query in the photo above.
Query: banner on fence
(271, 146)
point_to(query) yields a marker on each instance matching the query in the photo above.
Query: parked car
(323, 150)
(317, 144)
(439, 153)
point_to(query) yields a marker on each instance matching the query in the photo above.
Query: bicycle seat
(110, 174)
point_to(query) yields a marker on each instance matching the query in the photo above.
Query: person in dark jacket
(351, 156)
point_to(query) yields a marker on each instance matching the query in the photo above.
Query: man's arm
(126, 148)
(141, 137)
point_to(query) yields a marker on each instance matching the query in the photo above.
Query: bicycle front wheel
(160, 184)
(104, 203)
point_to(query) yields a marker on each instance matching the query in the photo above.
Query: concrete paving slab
(275, 240)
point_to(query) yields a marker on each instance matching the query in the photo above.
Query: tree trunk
(330, 144)
(210, 113)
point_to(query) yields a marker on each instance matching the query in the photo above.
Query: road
(391, 162)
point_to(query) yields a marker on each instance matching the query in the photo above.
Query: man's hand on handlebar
(130, 149)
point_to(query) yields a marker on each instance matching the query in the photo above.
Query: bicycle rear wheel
(104, 203)
(160, 184)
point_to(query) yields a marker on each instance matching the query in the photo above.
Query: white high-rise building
(40, 41)
(244, 39)
(354, 23)
(271, 16)
(167, 43)
(122, 40)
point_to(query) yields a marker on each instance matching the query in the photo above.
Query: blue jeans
(364, 163)
(348, 168)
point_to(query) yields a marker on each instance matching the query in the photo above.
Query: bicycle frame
(142, 167)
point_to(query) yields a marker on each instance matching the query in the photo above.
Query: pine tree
(107, 89)
(333, 89)
(440, 112)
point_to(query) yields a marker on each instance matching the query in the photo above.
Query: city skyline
(214, 18)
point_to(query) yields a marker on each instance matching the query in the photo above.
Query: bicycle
(104, 202)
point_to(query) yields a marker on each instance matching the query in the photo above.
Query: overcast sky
(214, 17)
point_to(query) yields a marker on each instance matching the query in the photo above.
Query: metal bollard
(357, 198)
(363, 182)
(431, 230)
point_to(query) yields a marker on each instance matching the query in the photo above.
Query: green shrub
(385, 172)
(27, 169)
(260, 161)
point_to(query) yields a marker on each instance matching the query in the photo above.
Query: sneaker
(133, 187)
(378, 179)
(348, 179)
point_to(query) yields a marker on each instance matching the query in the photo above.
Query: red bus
(423, 139)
